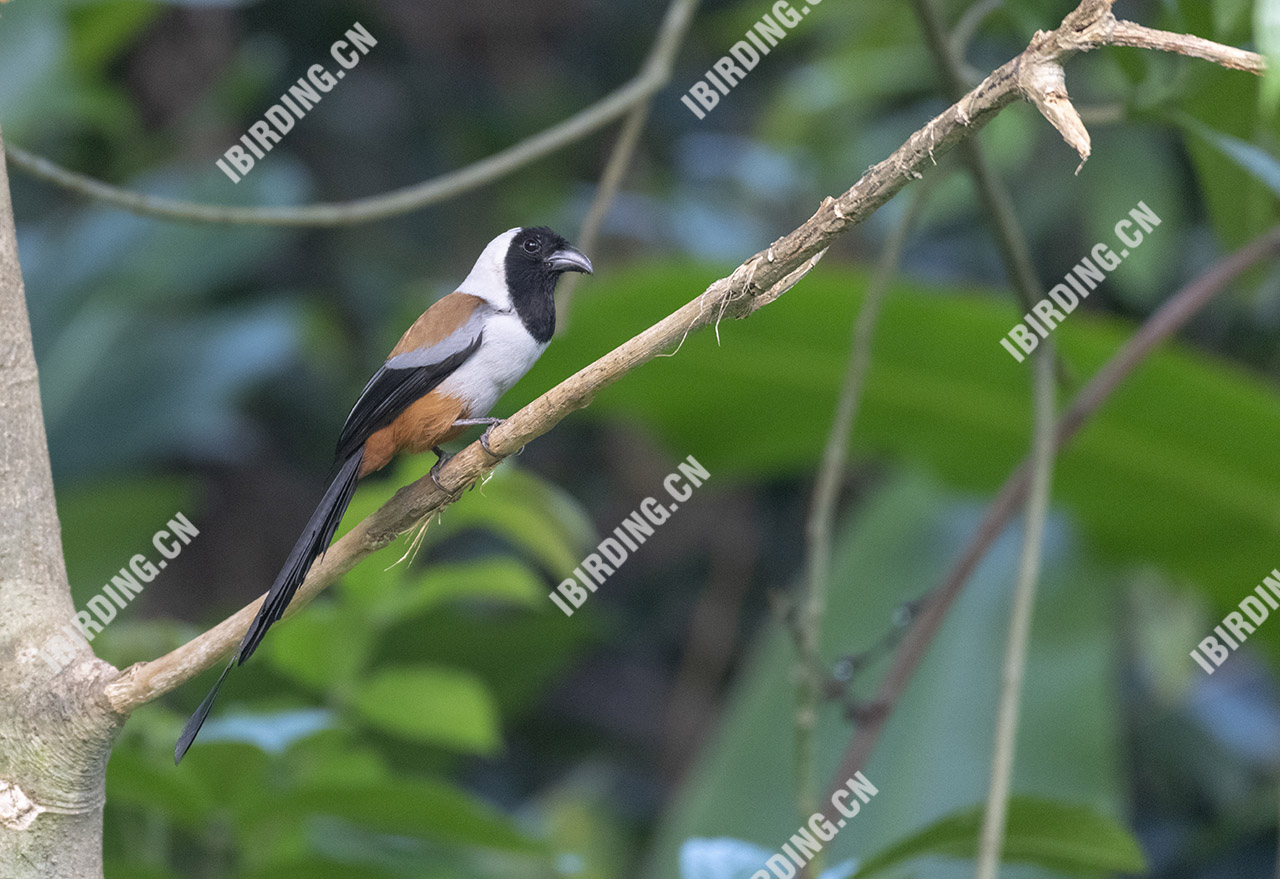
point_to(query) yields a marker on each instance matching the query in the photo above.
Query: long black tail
(311, 545)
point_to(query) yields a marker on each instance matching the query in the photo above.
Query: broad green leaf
(519, 655)
(136, 779)
(536, 517)
(338, 758)
(502, 580)
(126, 866)
(934, 755)
(1259, 163)
(1231, 20)
(1227, 102)
(1175, 470)
(230, 773)
(419, 807)
(533, 514)
(101, 31)
(438, 706)
(1061, 836)
(316, 868)
(324, 648)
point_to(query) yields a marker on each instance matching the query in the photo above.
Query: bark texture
(56, 728)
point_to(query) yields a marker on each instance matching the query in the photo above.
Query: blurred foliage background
(438, 716)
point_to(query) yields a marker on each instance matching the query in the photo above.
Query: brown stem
(757, 282)
(1160, 326)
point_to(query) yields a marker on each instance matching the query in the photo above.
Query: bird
(445, 374)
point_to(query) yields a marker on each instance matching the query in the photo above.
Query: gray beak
(569, 259)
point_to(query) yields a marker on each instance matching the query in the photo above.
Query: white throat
(488, 277)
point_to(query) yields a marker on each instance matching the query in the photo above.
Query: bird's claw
(484, 440)
(444, 458)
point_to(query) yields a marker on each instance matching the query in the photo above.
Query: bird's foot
(444, 457)
(484, 438)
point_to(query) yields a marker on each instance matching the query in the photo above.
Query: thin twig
(610, 180)
(823, 507)
(1161, 325)
(655, 74)
(994, 195)
(670, 36)
(967, 26)
(757, 282)
(991, 840)
(1127, 33)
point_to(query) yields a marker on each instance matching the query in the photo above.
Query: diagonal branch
(757, 282)
(1161, 325)
(992, 192)
(610, 182)
(653, 76)
(670, 36)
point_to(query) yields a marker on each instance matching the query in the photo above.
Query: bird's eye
(531, 245)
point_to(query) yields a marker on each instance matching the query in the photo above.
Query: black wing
(397, 384)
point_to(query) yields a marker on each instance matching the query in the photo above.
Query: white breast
(506, 353)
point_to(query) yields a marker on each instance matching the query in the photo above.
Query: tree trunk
(56, 728)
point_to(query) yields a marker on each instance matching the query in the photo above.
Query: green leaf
(1266, 33)
(105, 524)
(418, 807)
(230, 773)
(317, 868)
(1227, 102)
(435, 705)
(537, 516)
(322, 649)
(1177, 461)
(933, 757)
(135, 778)
(488, 645)
(1259, 163)
(501, 580)
(540, 519)
(1231, 20)
(100, 32)
(1061, 836)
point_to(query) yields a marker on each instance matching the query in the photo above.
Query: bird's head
(519, 270)
(539, 253)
